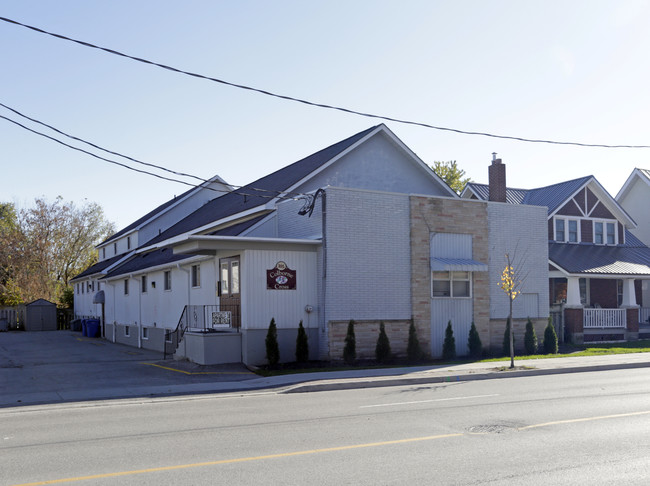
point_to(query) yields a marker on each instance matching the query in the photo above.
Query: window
(225, 282)
(127, 331)
(115, 248)
(451, 284)
(167, 280)
(145, 333)
(104, 253)
(573, 231)
(128, 242)
(196, 275)
(559, 230)
(604, 232)
(144, 284)
(83, 287)
(126, 286)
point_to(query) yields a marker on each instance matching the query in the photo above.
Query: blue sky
(573, 71)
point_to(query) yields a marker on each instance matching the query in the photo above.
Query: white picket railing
(644, 315)
(604, 318)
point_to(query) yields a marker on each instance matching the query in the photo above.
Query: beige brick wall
(366, 334)
(441, 215)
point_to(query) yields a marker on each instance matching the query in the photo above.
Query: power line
(204, 181)
(312, 103)
(273, 195)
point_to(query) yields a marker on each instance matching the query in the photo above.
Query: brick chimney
(497, 177)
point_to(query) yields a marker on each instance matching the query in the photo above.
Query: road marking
(241, 459)
(427, 401)
(585, 419)
(199, 372)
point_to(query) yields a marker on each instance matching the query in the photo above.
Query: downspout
(187, 272)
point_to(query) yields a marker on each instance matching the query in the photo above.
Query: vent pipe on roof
(497, 179)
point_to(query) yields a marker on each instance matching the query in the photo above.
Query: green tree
(550, 338)
(413, 350)
(382, 349)
(474, 343)
(350, 349)
(44, 246)
(449, 345)
(451, 174)
(271, 341)
(302, 345)
(530, 338)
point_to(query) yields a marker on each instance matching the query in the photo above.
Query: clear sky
(560, 70)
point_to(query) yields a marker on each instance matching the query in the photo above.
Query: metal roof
(99, 267)
(632, 259)
(457, 265)
(147, 260)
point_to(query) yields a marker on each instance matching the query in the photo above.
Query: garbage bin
(75, 325)
(92, 328)
(84, 328)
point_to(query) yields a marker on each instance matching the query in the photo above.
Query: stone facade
(443, 215)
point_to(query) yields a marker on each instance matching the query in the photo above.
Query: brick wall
(574, 324)
(366, 334)
(445, 215)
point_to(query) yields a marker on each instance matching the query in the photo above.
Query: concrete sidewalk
(63, 367)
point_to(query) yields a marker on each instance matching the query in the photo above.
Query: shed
(40, 315)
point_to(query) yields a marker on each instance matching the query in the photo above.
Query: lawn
(595, 349)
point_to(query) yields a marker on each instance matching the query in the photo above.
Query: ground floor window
(451, 284)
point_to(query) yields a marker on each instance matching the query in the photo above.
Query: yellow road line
(585, 419)
(199, 372)
(241, 459)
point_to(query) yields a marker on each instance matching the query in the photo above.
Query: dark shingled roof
(257, 193)
(99, 267)
(632, 258)
(550, 196)
(147, 260)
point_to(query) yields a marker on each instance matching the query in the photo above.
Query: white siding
(459, 311)
(522, 232)
(636, 203)
(260, 304)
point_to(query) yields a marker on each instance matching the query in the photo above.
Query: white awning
(457, 265)
(99, 298)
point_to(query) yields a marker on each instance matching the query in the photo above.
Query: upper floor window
(451, 284)
(128, 242)
(115, 248)
(167, 280)
(144, 284)
(196, 275)
(104, 253)
(604, 232)
(567, 230)
(126, 286)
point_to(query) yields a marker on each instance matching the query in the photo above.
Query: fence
(13, 317)
(604, 318)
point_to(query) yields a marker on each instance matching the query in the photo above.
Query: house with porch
(634, 197)
(596, 265)
(362, 230)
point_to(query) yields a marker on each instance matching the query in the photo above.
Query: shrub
(382, 350)
(449, 346)
(506, 339)
(550, 338)
(302, 345)
(350, 349)
(530, 338)
(413, 351)
(272, 348)
(474, 343)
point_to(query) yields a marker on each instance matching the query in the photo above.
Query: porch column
(573, 292)
(629, 295)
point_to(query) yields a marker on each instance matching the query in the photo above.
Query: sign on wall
(281, 278)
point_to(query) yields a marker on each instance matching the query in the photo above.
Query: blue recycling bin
(84, 327)
(92, 328)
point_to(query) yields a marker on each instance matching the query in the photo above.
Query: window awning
(457, 265)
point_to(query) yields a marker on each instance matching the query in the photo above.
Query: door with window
(229, 289)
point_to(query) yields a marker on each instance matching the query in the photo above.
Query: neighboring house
(634, 196)
(361, 230)
(596, 264)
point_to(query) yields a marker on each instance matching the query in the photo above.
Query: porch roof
(631, 259)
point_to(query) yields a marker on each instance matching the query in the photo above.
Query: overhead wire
(203, 181)
(312, 103)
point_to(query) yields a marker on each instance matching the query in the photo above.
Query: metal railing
(202, 318)
(604, 318)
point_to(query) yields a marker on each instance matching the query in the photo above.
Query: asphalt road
(583, 428)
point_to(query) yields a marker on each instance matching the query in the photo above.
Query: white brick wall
(522, 232)
(367, 255)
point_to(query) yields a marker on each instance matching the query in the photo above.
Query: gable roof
(641, 174)
(157, 258)
(259, 192)
(160, 209)
(99, 267)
